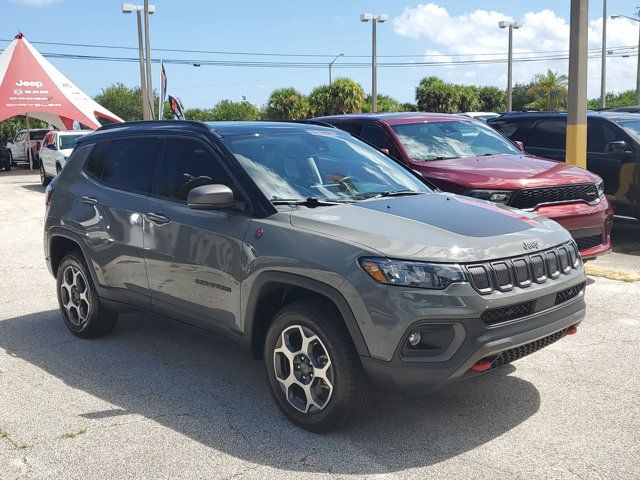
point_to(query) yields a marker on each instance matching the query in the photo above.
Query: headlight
(412, 274)
(497, 196)
(600, 187)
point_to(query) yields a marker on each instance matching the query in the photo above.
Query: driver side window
(185, 165)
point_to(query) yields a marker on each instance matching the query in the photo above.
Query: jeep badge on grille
(530, 245)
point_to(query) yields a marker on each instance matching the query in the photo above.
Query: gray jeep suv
(312, 249)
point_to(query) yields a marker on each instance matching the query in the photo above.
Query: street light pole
(331, 64)
(511, 26)
(375, 19)
(603, 73)
(145, 71)
(613, 17)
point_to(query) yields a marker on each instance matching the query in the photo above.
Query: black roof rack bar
(109, 126)
(319, 123)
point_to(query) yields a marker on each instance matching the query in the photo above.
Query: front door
(194, 257)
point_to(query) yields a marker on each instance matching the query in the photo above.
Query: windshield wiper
(310, 202)
(441, 158)
(391, 193)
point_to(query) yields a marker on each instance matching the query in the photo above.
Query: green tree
(435, 95)
(550, 91)
(522, 96)
(10, 126)
(615, 100)
(385, 104)
(198, 114)
(408, 107)
(469, 98)
(492, 99)
(123, 101)
(346, 96)
(230, 110)
(286, 104)
(320, 101)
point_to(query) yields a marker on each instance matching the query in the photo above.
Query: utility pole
(603, 73)
(148, 55)
(143, 75)
(511, 26)
(576, 153)
(375, 19)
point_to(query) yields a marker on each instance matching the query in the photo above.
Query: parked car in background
(56, 148)
(26, 147)
(5, 157)
(613, 148)
(465, 156)
(484, 116)
(333, 263)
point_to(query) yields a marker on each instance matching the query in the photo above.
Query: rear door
(376, 135)
(120, 174)
(47, 154)
(194, 257)
(18, 151)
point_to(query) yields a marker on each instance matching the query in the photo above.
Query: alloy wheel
(74, 294)
(303, 369)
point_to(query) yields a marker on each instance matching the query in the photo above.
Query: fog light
(414, 339)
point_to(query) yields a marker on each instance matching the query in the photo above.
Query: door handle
(157, 218)
(89, 200)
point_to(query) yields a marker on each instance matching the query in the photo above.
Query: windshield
(454, 139)
(321, 164)
(68, 141)
(632, 127)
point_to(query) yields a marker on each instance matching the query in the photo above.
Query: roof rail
(110, 126)
(319, 123)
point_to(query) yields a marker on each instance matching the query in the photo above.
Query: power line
(310, 55)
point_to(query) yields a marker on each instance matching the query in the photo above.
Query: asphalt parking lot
(159, 400)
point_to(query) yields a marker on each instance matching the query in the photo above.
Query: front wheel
(79, 304)
(313, 369)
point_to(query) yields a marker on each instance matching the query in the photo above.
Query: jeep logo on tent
(27, 83)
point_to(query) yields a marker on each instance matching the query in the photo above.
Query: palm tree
(550, 91)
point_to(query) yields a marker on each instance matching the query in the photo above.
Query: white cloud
(476, 33)
(36, 3)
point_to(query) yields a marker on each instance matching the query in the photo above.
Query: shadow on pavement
(626, 236)
(214, 393)
(34, 187)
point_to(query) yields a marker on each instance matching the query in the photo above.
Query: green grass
(74, 434)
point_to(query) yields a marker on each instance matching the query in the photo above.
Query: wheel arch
(272, 290)
(62, 241)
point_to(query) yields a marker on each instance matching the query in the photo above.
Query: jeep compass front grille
(504, 275)
(532, 197)
(569, 293)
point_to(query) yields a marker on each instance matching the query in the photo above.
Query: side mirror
(210, 197)
(616, 148)
(51, 146)
(519, 144)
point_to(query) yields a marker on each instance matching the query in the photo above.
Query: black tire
(89, 319)
(350, 383)
(44, 178)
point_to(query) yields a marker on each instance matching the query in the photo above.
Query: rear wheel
(314, 371)
(44, 179)
(79, 304)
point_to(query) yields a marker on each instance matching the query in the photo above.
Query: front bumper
(420, 377)
(589, 225)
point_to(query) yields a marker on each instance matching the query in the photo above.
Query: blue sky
(440, 30)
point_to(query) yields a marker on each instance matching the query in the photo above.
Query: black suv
(613, 148)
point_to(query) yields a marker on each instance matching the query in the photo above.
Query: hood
(508, 172)
(433, 227)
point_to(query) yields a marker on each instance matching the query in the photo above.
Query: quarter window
(549, 134)
(125, 164)
(185, 165)
(374, 135)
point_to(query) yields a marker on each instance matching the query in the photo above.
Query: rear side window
(185, 165)
(374, 135)
(125, 164)
(80, 154)
(550, 133)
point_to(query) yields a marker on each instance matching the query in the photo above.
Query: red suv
(465, 156)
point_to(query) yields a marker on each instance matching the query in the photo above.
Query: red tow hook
(571, 330)
(481, 365)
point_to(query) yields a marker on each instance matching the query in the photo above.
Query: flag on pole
(163, 90)
(176, 107)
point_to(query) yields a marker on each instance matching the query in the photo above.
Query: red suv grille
(532, 197)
